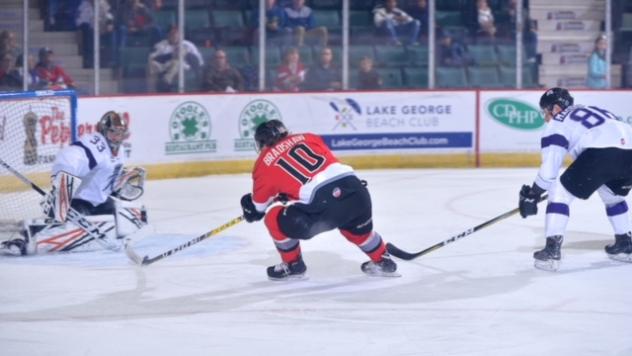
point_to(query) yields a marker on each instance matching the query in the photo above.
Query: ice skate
(549, 257)
(384, 268)
(14, 247)
(287, 271)
(621, 250)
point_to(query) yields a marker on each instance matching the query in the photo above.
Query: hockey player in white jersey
(85, 177)
(601, 146)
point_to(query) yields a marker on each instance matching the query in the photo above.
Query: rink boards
(195, 134)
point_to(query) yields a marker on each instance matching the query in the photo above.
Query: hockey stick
(399, 253)
(73, 215)
(146, 260)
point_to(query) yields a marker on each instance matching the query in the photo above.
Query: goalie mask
(114, 128)
(269, 133)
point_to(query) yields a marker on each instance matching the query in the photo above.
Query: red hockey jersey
(296, 166)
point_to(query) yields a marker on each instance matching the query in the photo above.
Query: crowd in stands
(388, 44)
(43, 74)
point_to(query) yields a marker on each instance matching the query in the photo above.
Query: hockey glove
(529, 198)
(250, 212)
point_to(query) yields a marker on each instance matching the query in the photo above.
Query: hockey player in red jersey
(324, 194)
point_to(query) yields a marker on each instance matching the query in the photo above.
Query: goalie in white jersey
(85, 177)
(601, 146)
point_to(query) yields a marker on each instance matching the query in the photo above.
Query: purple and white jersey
(91, 160)
(574, 130)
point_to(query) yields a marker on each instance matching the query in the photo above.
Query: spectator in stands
(394, 22)
(452, 53)
(220, 76)
(486, 24)
(60, 14)
(530, 39)
(136, 18)
(368, 77)
(597, 65)
(33, 80)
(291, 74)
(419, 12)
(300, 19)
(324, 75)
(85, 26)
(164, 62)
(277, 31)
(8, 44)
(9, 79)
(52, 75)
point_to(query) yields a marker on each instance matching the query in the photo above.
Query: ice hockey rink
(477, 296)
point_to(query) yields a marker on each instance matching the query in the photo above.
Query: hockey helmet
(114, 128)
(269, 133)
(556, 96)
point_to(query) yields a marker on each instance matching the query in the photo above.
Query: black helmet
(553, 96)
(269, 133)
(114, 128)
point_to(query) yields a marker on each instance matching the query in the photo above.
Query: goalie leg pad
(68, 237)
(57, 202)
(129, 220)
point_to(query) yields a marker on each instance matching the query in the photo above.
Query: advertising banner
(511, 121)
(181, 128)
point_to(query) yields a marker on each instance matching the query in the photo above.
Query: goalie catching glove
(57, 202)
(130, 185)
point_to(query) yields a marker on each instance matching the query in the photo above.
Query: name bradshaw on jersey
(91, 160)
(280, 148)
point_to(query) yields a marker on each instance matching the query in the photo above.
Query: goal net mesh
(34, 126)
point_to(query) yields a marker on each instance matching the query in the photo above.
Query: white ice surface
(476, 296)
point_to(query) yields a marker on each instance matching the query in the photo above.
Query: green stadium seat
(418, 55)
(451, 77)
(357, 52)
(416, 77)
(196, 20)
(484, 77)
(392, 78)
(327, 18)
(273, 56)
(626, 22)
(449, 18)
(391, 56)
(360, 18)
(134, 61)
(165, 19)
(483, 55)
(508, 77)
(227, 18)
(238, 56)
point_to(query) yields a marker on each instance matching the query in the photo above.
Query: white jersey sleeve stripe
(91, 161)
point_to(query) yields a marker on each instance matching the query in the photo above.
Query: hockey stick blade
(146, 260)
(407, 256)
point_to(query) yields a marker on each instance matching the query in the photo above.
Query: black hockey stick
(146, 260)
(399, 253)
(73, 216)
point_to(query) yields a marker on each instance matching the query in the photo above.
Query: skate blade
(383, 274)
(294, 277)
(621, 257)
(550, 265)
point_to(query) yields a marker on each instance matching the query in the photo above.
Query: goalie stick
(407, 256)
(146, 260)
(73, 215)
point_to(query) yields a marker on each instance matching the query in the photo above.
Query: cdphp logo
(515, 114)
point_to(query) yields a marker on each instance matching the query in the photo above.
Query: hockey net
(34, 126)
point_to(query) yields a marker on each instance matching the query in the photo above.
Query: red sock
(289, 249)
(370, 243)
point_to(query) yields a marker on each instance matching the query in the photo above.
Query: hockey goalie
(88, 180)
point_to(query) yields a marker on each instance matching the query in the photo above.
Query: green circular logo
(255, 113)
(190, 122)
(515, 114)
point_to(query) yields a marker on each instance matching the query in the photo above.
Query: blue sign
(382, 141)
